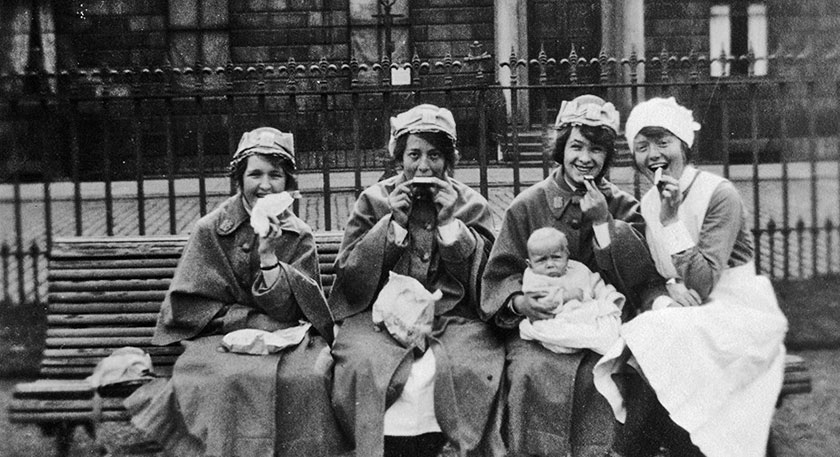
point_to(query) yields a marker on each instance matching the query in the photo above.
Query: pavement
(27, 222)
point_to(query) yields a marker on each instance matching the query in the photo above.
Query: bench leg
(64, 438)
(771, 445)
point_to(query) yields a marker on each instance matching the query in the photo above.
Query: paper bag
(260, 342)
(406, 309)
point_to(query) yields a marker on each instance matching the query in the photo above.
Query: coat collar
(559, 195)
(234, 214)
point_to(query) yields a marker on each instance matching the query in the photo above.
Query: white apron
(716, 368)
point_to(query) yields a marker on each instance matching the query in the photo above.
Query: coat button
(429, 227)
(246, 247)
(426, 256)
(575, 224)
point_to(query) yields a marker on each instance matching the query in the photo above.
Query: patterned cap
(265, 140)
(587, 110)
(422, 118)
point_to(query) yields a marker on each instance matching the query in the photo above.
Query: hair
(656, 133)
(439, 140)
(548, 234)
(600, 136)
(238, 171)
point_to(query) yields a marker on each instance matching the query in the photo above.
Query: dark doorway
(556, 25)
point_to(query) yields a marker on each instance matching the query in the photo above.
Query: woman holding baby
(233, 276)
(395, 398)
(551, 402)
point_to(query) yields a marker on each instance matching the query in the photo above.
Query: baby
(587, 311)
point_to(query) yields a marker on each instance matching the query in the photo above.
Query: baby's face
(548, 259)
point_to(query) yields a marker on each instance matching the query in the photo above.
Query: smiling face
(659, 149)
(422, 158)
(261, 178)
(582, 157)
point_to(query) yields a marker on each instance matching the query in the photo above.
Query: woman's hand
(593, 205)
(268, 243)
(683, 295)
(670, 197)
(530, 307)
(400, 202)
(444, 198)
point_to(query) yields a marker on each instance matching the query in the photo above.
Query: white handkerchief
(270, 205)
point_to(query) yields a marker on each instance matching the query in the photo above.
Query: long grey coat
(371, 367)
(224, 404)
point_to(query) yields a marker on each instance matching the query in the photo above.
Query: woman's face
(261, 178)
(582, 158)
(422, 159)
(663, 152)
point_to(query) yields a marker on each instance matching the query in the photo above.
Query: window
(369, 34)
(734, 30)
(198, 32)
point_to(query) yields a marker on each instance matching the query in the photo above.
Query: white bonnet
(665, 113)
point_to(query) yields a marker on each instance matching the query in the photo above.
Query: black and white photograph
(420, 228)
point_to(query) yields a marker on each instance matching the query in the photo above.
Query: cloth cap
(665, 113)
(265, 140)
(587, 110)
(422, 118)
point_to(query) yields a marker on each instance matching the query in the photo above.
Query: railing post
(811, 99)
(783, 134)
(514, 64)
(755, 160)
(170, 151)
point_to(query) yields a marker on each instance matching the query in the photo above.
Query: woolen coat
(223, 404)
(371, 367)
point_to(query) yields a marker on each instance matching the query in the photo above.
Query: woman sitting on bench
(710, 352)
(401, 399)
(229, 278)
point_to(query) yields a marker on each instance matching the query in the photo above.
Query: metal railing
(136, 151)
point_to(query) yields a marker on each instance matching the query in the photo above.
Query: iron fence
(77, 139)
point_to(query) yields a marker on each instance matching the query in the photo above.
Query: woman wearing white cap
(232, 276)
(404, 401)
(711, 352)
(552, 406)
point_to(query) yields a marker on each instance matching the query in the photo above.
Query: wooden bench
(105, 293)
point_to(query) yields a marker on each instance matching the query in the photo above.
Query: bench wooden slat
(90, 363)
(110, 273)
(100, 331)
(81, 297)
(113, 264)
(104, 307)
(98, 342)
(66, 416)
(53, 385)
(101, 319)
(109, 285)
(135, 247)
(32, 405)
(99, 352)
(76, 372)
